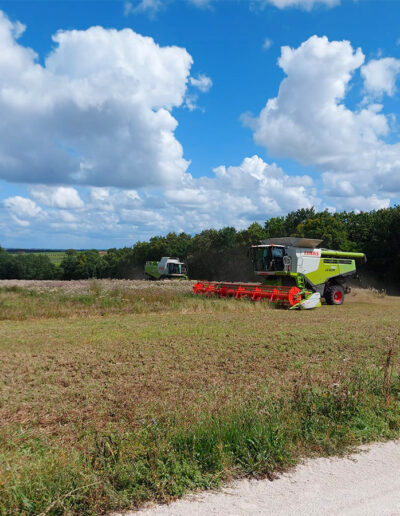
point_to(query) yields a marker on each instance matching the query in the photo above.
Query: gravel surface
(365, 484)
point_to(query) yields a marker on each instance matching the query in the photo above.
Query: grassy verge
(106, 410)
(159, 461)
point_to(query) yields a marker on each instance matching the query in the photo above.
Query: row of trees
(221, 254)
(27, 266)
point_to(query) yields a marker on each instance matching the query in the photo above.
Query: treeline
(222, 254)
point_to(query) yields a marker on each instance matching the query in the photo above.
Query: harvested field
(181, 286)
(87, 286)
(114, 393)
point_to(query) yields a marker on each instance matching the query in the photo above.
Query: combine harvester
(296, 274)
(166, 268)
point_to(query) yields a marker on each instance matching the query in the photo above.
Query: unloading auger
(296, 274)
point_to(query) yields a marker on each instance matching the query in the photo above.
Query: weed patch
(161, 461)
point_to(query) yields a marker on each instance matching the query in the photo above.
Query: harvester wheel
(334, 295)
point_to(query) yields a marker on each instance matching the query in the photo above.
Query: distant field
(114, 393)
(55, 257)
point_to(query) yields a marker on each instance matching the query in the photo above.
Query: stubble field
(114, 393)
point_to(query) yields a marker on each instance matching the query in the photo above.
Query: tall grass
(21, 304)
(161, 460)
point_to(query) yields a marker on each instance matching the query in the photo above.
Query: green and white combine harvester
(166, 268)
(296, 274)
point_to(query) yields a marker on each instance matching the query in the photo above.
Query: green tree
(254, 234)
(296, 218)
(204, 241)
(158, 248)
(287, 226)
(27, 266)
(88, 264)
(69, 264)
(141, 253)
(178, 245)
(275, 227)
(5, 264)
(330, 228)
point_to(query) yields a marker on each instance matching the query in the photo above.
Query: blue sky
(108, 137)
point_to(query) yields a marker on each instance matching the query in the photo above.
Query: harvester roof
(311, 243)
(172, 259)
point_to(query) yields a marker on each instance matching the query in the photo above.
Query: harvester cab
(167, 267)
(295, 273)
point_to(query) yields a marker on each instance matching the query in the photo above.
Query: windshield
(268, 258)
(174, 268)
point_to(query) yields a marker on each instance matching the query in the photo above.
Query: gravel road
(365, 484)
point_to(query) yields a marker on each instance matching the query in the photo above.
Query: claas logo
(311, 253)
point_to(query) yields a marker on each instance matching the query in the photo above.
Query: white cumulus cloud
(57, 197)
(302, 4)
(360, 203)
(98, 112)
(201, 82)
(380, 76)
(267, 43)
(152, 7)
(22, 210)
(309, 122)
(235, 196)
(201, 3)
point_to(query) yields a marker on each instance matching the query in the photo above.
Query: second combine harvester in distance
(166, 268)
(296, 273)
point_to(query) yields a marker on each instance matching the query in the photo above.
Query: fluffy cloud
(98, 112)
(234, 195)
(22, 210)
(201, 3)
(237, 195)
(303, 4)
(201, 82)
(380, 76)
(309, 122)
(267, 44)
(57, 197)
(359, 203)
(153, 6)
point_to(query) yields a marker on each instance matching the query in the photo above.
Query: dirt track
(366, 484)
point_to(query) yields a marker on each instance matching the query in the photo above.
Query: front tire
(334, 295)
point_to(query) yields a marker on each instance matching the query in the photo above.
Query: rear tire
(334, 295)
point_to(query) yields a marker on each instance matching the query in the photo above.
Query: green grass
(111, 399)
